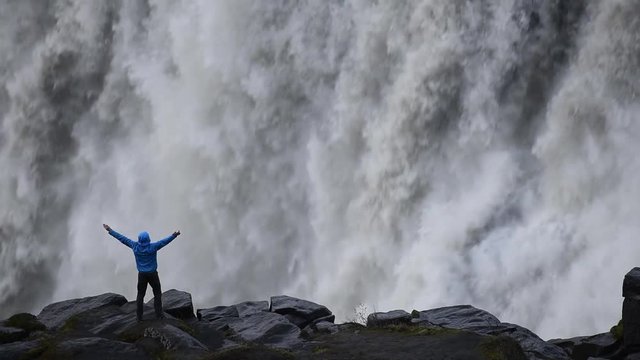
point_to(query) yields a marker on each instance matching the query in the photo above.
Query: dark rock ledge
(105, 327)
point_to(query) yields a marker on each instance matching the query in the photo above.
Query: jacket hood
(143, 238)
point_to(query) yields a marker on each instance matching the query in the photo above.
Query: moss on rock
(617, 330)
(501, 348)
(25, 321)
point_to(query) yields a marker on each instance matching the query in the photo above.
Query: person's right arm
(123, 239)
(162, 243)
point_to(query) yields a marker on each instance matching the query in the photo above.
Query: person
(145, 253)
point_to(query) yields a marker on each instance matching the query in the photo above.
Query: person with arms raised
(145, 253)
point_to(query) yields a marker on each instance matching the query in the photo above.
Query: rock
(394, 317)
(94, 348)
(25, 321)
(321, 326)
(11, 334)
(251, 307)
(107, 320)
(631, 283)
(148, 312)
(631, 322)
(457, 317)
(326, 327)
(177, 303)
(173, 338)
(583, 347)
(207, 334)
(223, 324)
(54, 315)
(217, 313)
(222, 316)
(466, 317)
(267, 328)
(534, 347)
(297, 311)
(21, 350)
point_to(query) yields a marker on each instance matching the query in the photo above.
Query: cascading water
(397, 154)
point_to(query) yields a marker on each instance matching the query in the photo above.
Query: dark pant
(152, 279)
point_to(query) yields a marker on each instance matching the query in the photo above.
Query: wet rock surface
(389, 318)
(54, 315)
(583, 347)
(298, 311)
(11, 334)
(469, 318)
(267, 328)
(105, 327)
(177, 303)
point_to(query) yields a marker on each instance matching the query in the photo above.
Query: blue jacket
(144, 250)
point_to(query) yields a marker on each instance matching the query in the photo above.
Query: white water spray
(401, 155)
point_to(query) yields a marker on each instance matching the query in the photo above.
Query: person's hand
(176, 233)
(106, 227)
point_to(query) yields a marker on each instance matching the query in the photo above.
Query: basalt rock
(217, 312)
(173, 338)
(24, 321)
(56, 314)
(394, 317)
(298, 311)
(631, 283)
(267, 328)
(251, 307)
(95, 348)
(457, 317)
(177, 303)
(21, 350)
(11, 334)
(105, 327)
(584, 347)
(469, 318)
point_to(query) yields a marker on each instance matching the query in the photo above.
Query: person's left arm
(164, 242)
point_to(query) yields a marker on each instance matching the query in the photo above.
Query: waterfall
(393, 154)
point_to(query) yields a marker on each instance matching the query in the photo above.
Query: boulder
(267, 328)
(177, 303)
(26, 322)
(54, 315)
(631, 283)
(298, 311)
(251, 307)
(21, 350)
(207, 334)
(458, 317)
(173, 338)
(534, 347)
(394, 317)
(107, 320)
(325, 327)
(631, 322)
(223, 324)
(11, 334)
(583, 347)
(110, 321)
(320, 326)
(217, 312)
(95, 348)
(466, 317)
